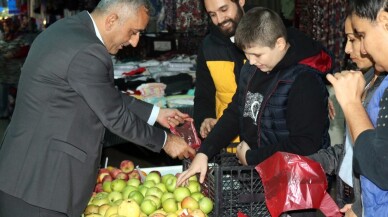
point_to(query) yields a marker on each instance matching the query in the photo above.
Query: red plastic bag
(188, 133)
(293, 182)
(241, 214)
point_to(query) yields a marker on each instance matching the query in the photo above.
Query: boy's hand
(242, 149)
(198, 165)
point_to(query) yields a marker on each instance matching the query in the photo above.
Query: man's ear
(382, 17)
(281, 43)
(110, 21)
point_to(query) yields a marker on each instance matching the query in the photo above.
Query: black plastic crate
(233, 187)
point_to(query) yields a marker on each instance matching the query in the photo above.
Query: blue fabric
(346, 168)
(375, 200)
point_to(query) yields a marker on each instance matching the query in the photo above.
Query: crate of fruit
(233, 188)
(129, 191)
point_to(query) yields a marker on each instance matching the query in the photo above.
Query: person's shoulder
(211, 39)
(307, 76)
(215, 37)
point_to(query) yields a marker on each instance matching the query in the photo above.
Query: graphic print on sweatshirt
(252, 106)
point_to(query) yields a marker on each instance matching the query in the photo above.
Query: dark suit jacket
(51, 151)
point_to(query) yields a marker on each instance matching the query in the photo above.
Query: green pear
(129, 208)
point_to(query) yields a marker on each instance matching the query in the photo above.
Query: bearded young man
(218, 64)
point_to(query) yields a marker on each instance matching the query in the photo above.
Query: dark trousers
(14, 207)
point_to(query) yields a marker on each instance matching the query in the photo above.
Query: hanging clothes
(324, 21)
(185, 15)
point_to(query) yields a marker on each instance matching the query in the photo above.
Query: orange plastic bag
(293, 182)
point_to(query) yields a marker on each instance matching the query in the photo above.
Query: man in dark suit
(51, 151)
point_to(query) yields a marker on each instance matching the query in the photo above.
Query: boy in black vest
(281, 98)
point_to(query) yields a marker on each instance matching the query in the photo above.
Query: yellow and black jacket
(218, 65)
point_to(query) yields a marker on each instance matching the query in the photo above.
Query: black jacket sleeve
(306, 116)
(226, 129)
(205, 92)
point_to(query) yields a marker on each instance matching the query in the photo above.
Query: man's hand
(242, 149)
(348, 87)
(207, 126)
(177, 147)
(198, 165)
(347, 209)
(170, 117)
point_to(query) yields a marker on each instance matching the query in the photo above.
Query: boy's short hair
(259, 26)
(368, 9)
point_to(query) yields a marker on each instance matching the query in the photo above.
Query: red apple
(103, 170)
(101, 174)
(127, 166)
(134, 174)
(98, 188)
(114, 172)
(122, 176)
(189, 203)
(107, 178)
(110, 168)
(197, 213)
